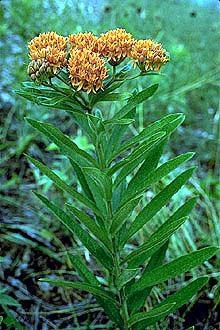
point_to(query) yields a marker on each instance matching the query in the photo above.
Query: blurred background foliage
(31, 242)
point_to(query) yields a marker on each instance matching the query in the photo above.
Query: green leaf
(142, 180)
(94, 248)
(114, 97)
(60, 184)
(82, 269)
(7, 300)
(1, 319)
(147, 249)
(183, 296)
(123, 121)
(135, 100)
(122, 214)
(98, 195)
(174, 268)
(167, 124)
(90, 223)
(126, 276)
(160, 236)
(89, 277)
(116, 135)
(137, 299)
(66, 145)
(102, 179)
(157, 203)
(138, 157)
(134, 158)
(180, 298)
(155, 313)
(82, 286)
(49, 97)
(82, 180)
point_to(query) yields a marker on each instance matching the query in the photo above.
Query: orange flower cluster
(88, 53)
(51, 48)
(87, 70)
(149, 55)
(83, 40)
(116, 45)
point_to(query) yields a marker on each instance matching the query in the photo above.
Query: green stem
(115, 250)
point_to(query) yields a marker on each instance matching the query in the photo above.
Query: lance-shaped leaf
(60, 184)
(82, 180)
(180, 298)
(49, 97)
(66, 145)
(92, 245)
(167, 124)
(155, 313)
(160, 236)
(122, 215)
(114, 97)
(142, 153)
(100, 187)
(135, 100)
(100, 233)
(102, 180)
(82, 269)
(157, 203)
(110, 308)
(174, 268)
(143, 179)
(126, 276)
(137, 299)
(116, 134)
(123, 121)
(135, 157)
(82, 286)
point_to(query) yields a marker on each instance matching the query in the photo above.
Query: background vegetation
(31, 242)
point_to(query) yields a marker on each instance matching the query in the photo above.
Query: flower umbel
(116, 45)
(83, 40)
(49, 47)
(149, 55)
(87, 70)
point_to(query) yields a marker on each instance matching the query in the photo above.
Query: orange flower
(83, 40)
(87, 70)
(149, 55)
(49, 47)
(116, 45)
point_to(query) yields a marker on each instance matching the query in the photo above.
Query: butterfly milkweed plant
(78, 74)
